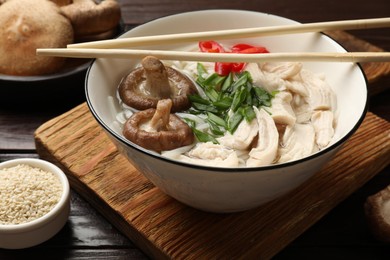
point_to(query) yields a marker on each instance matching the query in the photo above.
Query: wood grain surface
(341, 234)
(163, 227)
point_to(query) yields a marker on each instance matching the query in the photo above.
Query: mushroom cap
(136, 98)
(62, 2)
(177, 135)
(90, 18)
(26, 25)
(377, 210)
(111, 33)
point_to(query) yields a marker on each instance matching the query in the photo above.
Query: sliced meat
(267, 145)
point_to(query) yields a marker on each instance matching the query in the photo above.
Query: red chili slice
(237, 67)
(224, 68)
(240, 46)
(246, 48)
(211, 46)
(255, 50)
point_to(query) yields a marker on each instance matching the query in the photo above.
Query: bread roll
(26, 25)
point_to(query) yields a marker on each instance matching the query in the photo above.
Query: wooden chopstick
(222, 57)
(236, 33)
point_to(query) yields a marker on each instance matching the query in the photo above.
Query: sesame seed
(27, 193)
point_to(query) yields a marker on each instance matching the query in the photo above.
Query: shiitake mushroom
(144, 86)
(377, 211)
(157, 129)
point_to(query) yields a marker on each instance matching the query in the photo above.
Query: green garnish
(204, 137)
(234, 121)
(216, 120)
(235, 93)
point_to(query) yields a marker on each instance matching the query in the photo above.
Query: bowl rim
(229, 169)
(56, 210)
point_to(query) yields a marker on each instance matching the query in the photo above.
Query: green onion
(238, 99)
(190, 122)
(215, 129)
(248, 113)
(263, 97)
(228, 82)
(249, 89)
(240, 81)
(214, 80)
(233, 95)
(223, 103)
(204, 137)
(211, 93)
(198, 99)
(234, 121)
(203, 107)
(201, 70)
(216, 119)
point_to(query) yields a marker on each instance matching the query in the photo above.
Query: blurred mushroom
(143, 87)
(90, 18)
(377, 210)
(158, 129)
(61, 2)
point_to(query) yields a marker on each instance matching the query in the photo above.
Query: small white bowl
(218, 189)
(24, 235)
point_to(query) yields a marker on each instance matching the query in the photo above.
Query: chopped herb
(263, 97)
(201, 71)
(198, 99)
(190, 122)
(223, 103)
(248, 113)
(227, 83)
(234, 121)
(204, 137)
(238, 98)
(214, 80)
(216, 119)
(242, 80)
(235, 93)
(215, 129)
(211, 93)
(204, 108)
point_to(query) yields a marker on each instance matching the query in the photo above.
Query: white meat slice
(301, 108)
(321, 96)
(242, 137)
(297, 142)
(323, 125)
(295, 85)
(267, 145)
(283, 70)
(211, 155)
(268, 81)
(281, 110)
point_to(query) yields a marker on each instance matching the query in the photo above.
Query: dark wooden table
(342, 234)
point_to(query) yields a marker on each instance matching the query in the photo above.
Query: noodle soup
(260, 114)
(218, 188)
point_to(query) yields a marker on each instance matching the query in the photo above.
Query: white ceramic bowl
(220, 189)
(24, 235)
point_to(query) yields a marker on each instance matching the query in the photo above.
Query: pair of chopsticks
(112, 48)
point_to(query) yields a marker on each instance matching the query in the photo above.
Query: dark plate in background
(65, 87)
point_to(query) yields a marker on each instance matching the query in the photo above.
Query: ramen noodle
(295, 117)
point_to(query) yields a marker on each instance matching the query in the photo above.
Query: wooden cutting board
(165, 228)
